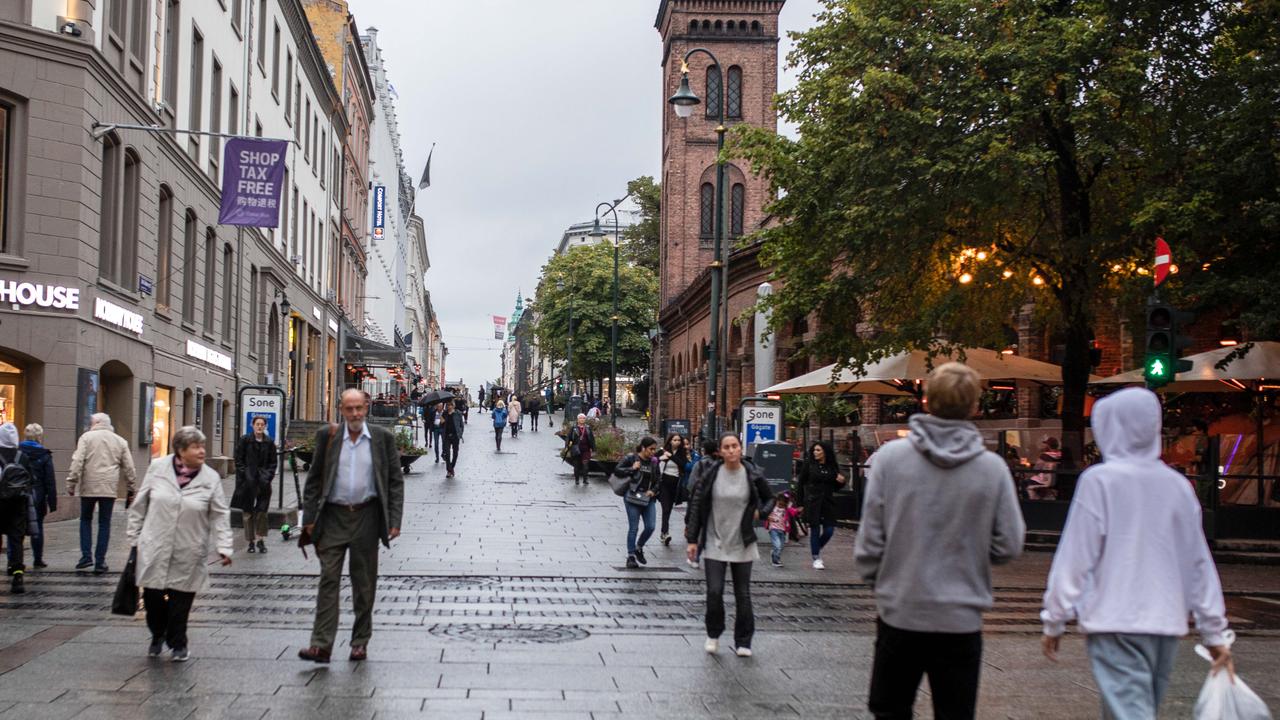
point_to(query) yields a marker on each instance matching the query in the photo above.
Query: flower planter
(604, 467)
(407, 459)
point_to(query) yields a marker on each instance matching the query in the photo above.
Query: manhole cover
(514, 634)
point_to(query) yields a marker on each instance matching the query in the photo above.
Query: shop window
(12, 387)
(188, 408)
(733, 105)
(161, 422)
(713, 92)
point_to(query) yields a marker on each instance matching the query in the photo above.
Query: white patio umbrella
(897, 374)
(1260, 364)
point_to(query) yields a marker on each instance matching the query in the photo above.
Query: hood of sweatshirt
(8, 435)
(945, 443)
(1126, 425)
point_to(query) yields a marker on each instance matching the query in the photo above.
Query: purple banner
(252, 175)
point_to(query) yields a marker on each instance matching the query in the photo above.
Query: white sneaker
(818, 564)
(744, 652)
(712, 646)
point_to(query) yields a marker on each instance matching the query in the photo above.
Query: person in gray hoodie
(939, 510)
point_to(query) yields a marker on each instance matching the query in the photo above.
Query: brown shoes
(315, 654)
(358, 653)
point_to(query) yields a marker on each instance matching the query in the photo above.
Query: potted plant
(611, 445)
(408, 451)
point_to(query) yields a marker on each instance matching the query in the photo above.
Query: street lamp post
(596, 232)
(684, 102)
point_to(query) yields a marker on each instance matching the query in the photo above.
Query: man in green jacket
(353, 499)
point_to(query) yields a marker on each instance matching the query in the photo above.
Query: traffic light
(1161, 364)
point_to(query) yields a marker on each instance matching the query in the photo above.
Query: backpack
(15, 479)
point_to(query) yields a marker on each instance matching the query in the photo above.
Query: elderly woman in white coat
(180, 514)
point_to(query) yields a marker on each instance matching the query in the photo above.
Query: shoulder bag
(621, 483)
(125, 601)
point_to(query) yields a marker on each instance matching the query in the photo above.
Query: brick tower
(743, 34)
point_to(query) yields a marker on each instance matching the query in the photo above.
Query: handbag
(637, 498)
(125, 601)
(619, 485)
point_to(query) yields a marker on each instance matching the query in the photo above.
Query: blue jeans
(104, 505)
(778, 538)
(436, 434)
(634, 513)
(819, 540)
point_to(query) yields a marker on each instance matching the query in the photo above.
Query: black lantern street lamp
(683, 102)
(596, 232)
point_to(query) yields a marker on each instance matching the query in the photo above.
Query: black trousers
(167, 613)
(533, 421)
(497, 436)
(451, 452)
(744, 619)
(953, 662)
(667, 489)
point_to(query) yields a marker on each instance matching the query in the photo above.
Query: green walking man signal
(1164, 344)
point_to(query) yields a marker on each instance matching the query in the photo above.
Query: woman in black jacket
(641, 469)
(582, 443)
(818, 481)
(674, 462)
(255, 470)
(720, 523)
(45, 490)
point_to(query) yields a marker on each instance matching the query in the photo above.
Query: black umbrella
(431, 397)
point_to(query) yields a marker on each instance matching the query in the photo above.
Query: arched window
(693, 26)
(109, 205)
(228, 272)
(707, 224)
(164, 247)
(126, 270)
(210, 276)
(719, 26)
(755, 27)
(742, 26)
(706, 26)
(189, 231)
(733, 104)
(738, 203)
(713, 92)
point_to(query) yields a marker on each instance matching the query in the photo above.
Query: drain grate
(511, 634)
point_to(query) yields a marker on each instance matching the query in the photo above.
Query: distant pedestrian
(460, 405)
(939, 511)
(255, 471)
(1042, 485)
(499, 414)
(817, 483)
(513, 415)
(354, 498)
(535, 407)
(582, 443)
(180, 514)
(480, 400)
(1133, 563)
(452, 427)
(641, 469)
(437, 429)
(100, 462)
(17, 508)
(45, 490)
(720, 525)
(594, 412)
(675, 464)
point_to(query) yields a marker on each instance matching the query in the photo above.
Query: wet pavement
(507, 596)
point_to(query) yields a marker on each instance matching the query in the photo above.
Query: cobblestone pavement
(507, 597)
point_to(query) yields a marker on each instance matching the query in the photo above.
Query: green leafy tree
(642, 238)
(582, 279)
(957, 160)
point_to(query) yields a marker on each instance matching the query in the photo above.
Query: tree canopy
(582, 279)
(958, 160)
(642, 238)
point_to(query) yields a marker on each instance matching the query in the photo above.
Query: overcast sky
(539, 110)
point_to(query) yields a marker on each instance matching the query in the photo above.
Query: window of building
(126, 270)
(109, 205)
(138, 31)
(324, 140)
(288, 85)
(297, 109)
(228, 272)
(275, 63)
(215, 119)
(707, 215)
(161, 422)
(293, 226)
(189, 230)
(5, 177)
(237, 15)
(171, 20)
(733, 105)
(255, 308)
(306, 143)
(210, 277)
(737, 207)
(713, 92)
(164, 248)
(282, 232)
(233, 111)
(262, 36)
(196, 86)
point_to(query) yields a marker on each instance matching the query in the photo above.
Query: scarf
(185, 474)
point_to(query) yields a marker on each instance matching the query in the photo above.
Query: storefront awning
(358, 350)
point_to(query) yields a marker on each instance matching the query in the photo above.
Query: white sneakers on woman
(744, 652)
(712, 646)
(818, 564)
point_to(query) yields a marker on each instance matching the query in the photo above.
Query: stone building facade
(121, 292)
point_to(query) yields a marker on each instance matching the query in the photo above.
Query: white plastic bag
(1222, 699)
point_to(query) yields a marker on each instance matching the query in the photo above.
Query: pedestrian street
(508, 596)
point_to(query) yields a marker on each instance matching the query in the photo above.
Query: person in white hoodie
(1133, 562)
(940, 510)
